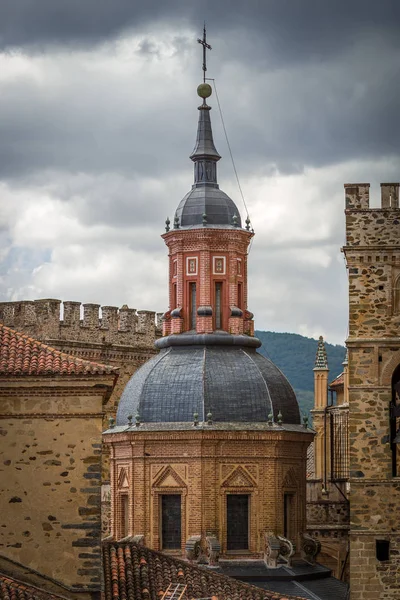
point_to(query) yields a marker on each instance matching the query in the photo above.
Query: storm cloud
(98, 113)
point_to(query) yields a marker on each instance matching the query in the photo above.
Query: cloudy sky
(98, 115)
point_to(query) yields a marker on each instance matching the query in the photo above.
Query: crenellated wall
(56, 320)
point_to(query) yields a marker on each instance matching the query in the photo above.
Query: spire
(205, 205)
(321, 359)
(346, 359)
(204, 146)
(205, 155)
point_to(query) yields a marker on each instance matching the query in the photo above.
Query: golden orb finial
(204, 90)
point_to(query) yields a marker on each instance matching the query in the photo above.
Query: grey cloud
(291, 118)
(288, 28)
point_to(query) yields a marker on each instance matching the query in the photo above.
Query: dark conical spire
(205, 155)
(204, 147)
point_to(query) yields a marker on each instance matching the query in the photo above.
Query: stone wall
(122, 337)
(42, 320)
(373, 259)
(50, 474)
(328, 519)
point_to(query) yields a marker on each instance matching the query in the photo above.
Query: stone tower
(372, 254)
(321, 373)
(327, 489)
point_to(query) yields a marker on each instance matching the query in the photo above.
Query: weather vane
(206, 47)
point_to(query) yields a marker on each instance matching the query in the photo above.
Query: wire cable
(229, 146)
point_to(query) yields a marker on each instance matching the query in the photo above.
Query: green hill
(295, 355)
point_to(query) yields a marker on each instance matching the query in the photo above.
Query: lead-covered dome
(210, 201)
(221, 374)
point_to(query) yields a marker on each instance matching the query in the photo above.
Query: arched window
(396, 296)
(395, 421)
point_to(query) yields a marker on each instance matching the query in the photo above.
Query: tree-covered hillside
(295, 355)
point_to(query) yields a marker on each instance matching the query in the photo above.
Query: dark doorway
(124, 515)
(288, 515)
(171, 521)
(237, 521)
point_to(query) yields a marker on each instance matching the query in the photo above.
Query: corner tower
(207, 249)
(372, 254)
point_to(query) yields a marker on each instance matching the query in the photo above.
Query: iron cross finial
(206, 47)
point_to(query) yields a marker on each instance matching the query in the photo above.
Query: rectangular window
(171, 519)
(382, 550)
(218, 305)
(219, 265)
(191, 265)
(175, 296)
(240, 296)
(192, 305)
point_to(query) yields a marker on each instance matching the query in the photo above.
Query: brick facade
(206, 257)
(204, 465)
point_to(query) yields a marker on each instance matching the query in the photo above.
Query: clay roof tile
(136, 572)
(23, 355)
(11, 589)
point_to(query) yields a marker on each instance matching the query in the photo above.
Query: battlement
(52, 319)
(357, 196)
(366, 226)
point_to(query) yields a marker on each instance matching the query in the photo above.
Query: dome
(212, 202)
(221, 374)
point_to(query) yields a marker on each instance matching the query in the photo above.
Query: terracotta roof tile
(23, 355)
(338, 381)
(11, 589)
(311, 461)
(137, 573)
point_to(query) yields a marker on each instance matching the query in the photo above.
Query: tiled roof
(339, 380)
(11, 589)
(311, 461)
(138, 573)
(23, 355)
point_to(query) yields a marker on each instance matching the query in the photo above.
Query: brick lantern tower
(207, 250)
(208, 450)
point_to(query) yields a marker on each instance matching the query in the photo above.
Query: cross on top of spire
(206, 47)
